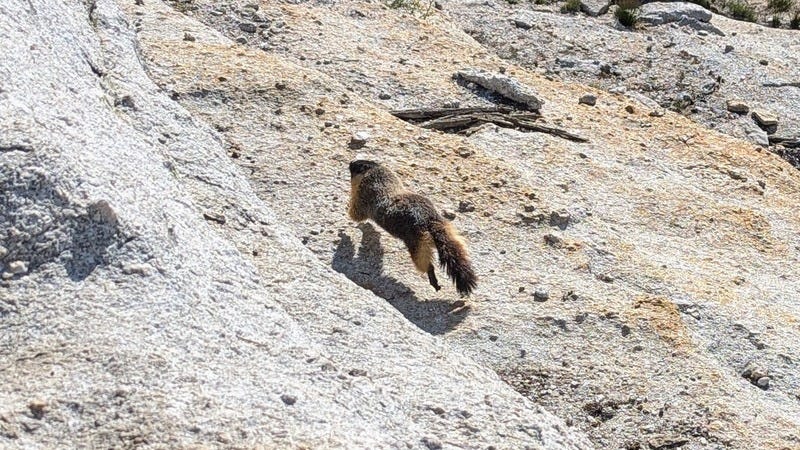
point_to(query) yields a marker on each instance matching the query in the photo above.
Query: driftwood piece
(788, 142)
(552, 130)
(455, 120)
(781, 84)
(432, 113)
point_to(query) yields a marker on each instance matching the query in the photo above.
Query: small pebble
(465, 152)
(17, 267)
(630, 109)
(541, 295)
(188, 37)
(737, 106)
(431, 443)
(764, 62)
(288, 399)
(728, 49)
(384, 96)
(37, 408)
(588, 99)
(763, 382)
(465, 206)
(359, 139)
(3, 252)
(248, 27)
(560, 219)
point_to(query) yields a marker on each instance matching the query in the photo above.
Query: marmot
(377, 193)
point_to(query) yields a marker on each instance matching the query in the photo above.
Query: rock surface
(678, 68)
(192, 277)
(657, 13)
(503, 85)
(595, 8)
(138, 323)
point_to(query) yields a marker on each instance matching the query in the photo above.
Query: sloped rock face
(133, 310)
(642, 285)
(627, 283)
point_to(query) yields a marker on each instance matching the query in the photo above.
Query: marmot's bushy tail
(453, 256)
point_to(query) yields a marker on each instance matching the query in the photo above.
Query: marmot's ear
(360, 166)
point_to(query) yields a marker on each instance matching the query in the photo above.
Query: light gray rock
(359, 139)
(703, 28)
(660, 13)
(595, 8)
(755, 134)
(504, 85)
(17, 267)
(764, 117)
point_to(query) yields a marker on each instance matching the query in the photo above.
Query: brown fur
(378, 194)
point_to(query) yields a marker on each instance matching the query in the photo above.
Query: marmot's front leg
(355, 210)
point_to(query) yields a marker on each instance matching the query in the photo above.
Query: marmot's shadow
(366, 270)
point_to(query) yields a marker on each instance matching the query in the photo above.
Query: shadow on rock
(366, 270)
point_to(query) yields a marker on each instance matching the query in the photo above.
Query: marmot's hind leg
(422, 254)
(432, 278)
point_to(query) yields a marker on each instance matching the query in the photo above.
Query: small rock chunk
(765, 118)
(248, 27)
(359, 139)
(37, 408)
(503, 85)
(288, 399)
(661, 13)
(466, 206)
(595, 8)
(588, 99)
(737, 106)
(560, 219)
(17, 267)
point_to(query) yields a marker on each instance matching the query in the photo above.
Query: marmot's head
(361, 166)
